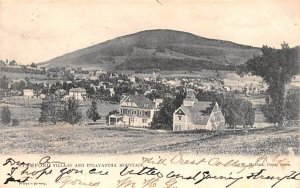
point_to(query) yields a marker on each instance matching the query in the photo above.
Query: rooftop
(141, 101)
(197, 112)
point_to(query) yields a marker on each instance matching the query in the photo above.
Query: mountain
(158, 49)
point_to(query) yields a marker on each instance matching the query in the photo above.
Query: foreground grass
(66, 139)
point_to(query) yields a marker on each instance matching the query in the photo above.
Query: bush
(92, 112)
(15, 122)
(5, 115)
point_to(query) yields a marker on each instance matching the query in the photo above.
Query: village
(133, 99)
(138, 112)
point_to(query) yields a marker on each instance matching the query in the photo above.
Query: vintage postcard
(149, 93)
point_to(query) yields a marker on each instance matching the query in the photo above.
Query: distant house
(28, 93)
(147, 78)
(227, 88)
(132, 79)
(99, 72)
(102, 84)
(174, 83)
(78, 93)
(111, 90)
(42, 96)
(149, 91)
(195, 115)
(93, 78)
(135, 110)
(157, 102)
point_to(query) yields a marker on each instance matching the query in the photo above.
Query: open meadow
(27, 110)
(98, 140)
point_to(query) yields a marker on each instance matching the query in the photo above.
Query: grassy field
(16, 76)
(27, 110)
(66, 139)
(25, 115)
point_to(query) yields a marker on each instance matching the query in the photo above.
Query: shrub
(15, 122)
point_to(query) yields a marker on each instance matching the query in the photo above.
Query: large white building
(28, 93)
(196, 115)
(78, 93)
(135, 110)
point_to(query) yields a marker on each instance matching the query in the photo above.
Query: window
(133, 112)
(177, 127)
(131, 120)
(147, 113)
(121, 111)
(179, 112)
(141, 113)
(144, 120)
(179, 117)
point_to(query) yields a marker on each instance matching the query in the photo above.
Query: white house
(132, 79)
(174, 83)
(78, 93)
(98, 72)
(135, 110)
(28, 93)
(194, 115)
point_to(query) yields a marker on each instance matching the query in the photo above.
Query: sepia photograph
(151, 82)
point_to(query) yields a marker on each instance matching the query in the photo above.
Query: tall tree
(72, 114)
(247, 113)
(5, 115)
(52, 109)
(92, 112)
(163, 119)
(277, 67)
(4, 82)
(237, 111)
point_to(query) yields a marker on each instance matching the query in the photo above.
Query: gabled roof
(141, 101)
(196, 112)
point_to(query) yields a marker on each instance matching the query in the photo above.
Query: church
(196, 115)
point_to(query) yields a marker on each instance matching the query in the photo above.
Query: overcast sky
(35, 31)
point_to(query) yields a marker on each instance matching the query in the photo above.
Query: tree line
(173, 64)
(54, 109)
